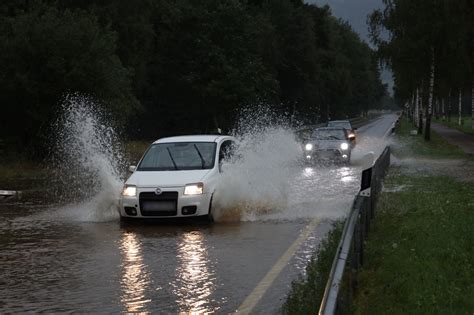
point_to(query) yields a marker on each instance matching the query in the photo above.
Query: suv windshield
(179, 156)
(329, 134)
(340, 124)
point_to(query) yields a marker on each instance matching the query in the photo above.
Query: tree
(44, 53)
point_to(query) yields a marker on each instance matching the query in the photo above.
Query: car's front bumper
(328, 155)
(144, 205)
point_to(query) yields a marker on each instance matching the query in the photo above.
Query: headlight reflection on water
(195, 277)
(346, 174)
(308, 172)
(135, 279)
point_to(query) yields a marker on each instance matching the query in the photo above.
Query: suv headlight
(308, 147)
(129, 191)
(194, 189)
(344, 146)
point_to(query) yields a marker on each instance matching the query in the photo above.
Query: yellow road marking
(256, 295)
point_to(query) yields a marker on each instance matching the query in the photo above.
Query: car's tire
(125, 219)
(210, 216)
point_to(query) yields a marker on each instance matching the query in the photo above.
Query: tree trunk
(460, 107)
(420, 112)
(429, 109)
(443, 112)
(411, 110)
(415, 112)
(449, 106)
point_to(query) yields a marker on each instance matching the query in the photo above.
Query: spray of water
(88, 160)
(268, 180)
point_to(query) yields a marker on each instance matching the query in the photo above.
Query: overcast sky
(353, 11)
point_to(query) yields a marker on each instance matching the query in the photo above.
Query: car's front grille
(164, 204)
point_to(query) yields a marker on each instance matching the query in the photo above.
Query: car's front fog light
(308, 147)
(194, 189)
(129, 191)
(344, 146)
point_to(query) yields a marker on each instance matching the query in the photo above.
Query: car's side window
(225, 151)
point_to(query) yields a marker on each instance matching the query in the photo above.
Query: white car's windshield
(329, 134)
(179, 156)
(340, 124)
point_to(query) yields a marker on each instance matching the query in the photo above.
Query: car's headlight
(308, 147)
(129, 191)
(351, 136)
(194, 189)
(344, 146)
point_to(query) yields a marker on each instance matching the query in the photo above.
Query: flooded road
(51, 262)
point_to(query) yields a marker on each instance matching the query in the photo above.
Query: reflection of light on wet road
(308, 172)
(135, 278)
(346, 175)
(195, 278)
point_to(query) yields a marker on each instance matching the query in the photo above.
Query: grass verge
(419, 255)
(415, 146)
(453, 123)
(307, 292)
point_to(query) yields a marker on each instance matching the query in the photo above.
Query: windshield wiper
(172, 160)
(200, 156)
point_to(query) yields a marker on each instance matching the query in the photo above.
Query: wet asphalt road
(53, 265)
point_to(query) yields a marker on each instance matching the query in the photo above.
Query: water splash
(269, 180)
(88, 159)
(259, 182)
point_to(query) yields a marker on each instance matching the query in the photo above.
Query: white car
(176, 177)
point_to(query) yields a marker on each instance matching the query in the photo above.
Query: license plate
(159, 205)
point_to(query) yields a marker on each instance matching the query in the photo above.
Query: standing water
(61, 260)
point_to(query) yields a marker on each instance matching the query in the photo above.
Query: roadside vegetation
(428, 46)
(307, 292)
(169, 67)
(412, 146)
(466, 127)
(419, 253)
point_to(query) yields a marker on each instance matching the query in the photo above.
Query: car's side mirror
(132, 168)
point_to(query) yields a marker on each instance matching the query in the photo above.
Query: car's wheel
(124, 219)
(210, 216)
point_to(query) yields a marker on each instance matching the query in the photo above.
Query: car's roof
(330, 128)
(192, 138)
(339, 121)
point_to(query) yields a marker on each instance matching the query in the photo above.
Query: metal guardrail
(350, 252)
(8, 195)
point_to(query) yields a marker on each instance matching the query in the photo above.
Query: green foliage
(408, 146)
(419, 255)
(46, 53)
(179, 66)
(466, 126)
(420, 31)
